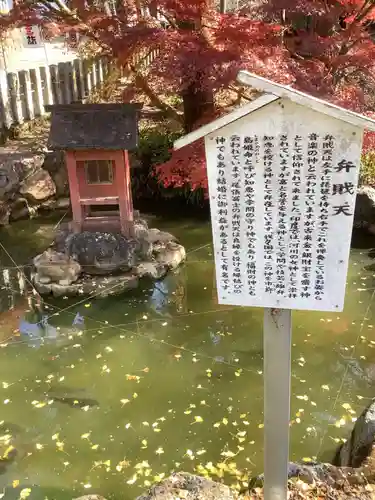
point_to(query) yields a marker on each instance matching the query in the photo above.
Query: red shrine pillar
(125, 199)
(74, 190)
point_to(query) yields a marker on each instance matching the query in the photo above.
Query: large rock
(55, 267)
(358, 447)
(182, 485)
(4, 213)
(110, 263)
(54, 163)
(98, 286)
(60, 178)
(9, 180)
(102, 253)
(364, 214)
(172, 255)
(38, 186)
(156, 236)
(152, 270)
(20, 209)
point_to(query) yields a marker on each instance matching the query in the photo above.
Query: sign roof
(93, 126)
(275, 91)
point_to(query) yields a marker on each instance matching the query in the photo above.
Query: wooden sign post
(282, 176)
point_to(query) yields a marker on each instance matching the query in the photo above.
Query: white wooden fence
(24, 94)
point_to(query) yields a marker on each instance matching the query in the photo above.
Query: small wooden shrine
(96, 139)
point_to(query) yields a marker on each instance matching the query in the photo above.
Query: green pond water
(178, 378)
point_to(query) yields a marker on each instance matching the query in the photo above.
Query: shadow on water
(165, 379)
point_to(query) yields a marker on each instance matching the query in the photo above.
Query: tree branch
(367, 6)
(169, 19)
(142, 84)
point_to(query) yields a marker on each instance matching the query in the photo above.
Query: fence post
(35, 74)
(87, 77)
(100, 71)
(105, 66)
(74, 82)
(47, 94)
(25, 75)
(5, 104)
(80, 80)
(56, 84)
(15, 98)
(94, 77)
(68, 79)
(61, 71)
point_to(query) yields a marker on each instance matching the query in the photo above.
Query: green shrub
(155, 145)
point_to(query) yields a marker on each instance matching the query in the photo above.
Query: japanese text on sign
(278, 202)
(32, 36)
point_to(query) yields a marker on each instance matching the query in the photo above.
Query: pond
(164, 379)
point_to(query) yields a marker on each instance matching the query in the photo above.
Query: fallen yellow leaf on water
(307, 459)
(95, 447)
(159, 477)
(144, 442)
(201, 452)
(228, 454)
(159, 451)
(198, 419)
(87, 305)
(135, 395)
(39, 446)
(85, 436)
(7, 451)
(225, 421)
(304, 397)
(340, 423)
(15, 483)
(217, 424)
(260, 426)
(25, 493)
(5, 385)
(55, 436)
(346, 406)
(124, 401)
(325, 387)
(60, 445)
(146, 370)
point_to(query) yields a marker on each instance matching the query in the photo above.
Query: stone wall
(31, 184)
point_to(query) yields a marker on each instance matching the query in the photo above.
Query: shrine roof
(93, 126)
(274, 92)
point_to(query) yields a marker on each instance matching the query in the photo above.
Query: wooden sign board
(32, 37)
(282, 186)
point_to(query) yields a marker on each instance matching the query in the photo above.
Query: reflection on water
(109, 395)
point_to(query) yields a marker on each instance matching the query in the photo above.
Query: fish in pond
(75, 402)
(9, 428)
(7, 457)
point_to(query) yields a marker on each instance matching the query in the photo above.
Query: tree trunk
(197, 103)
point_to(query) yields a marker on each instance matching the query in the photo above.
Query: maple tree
(323, 47)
